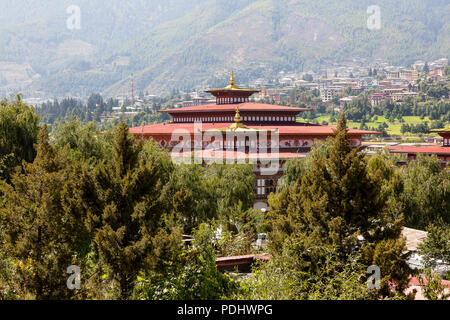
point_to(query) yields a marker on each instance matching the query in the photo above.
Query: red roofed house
(442, 152)
(234, 129)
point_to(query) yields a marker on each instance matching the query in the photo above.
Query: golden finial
(232, 79)
(237, 117)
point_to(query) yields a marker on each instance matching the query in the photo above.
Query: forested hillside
(182, 44)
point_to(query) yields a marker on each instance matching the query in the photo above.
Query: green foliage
(239, 229)
(42, 216)
(432, 287)
(128, 225)
(436, 246)
(426, 192)
(195, 277)
(294, 169)
(201, 194)
(19, 127)
(283, 278)
(118, 207)
(84, 141)
(335, 202)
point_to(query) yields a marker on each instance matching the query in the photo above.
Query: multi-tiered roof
(252, 115)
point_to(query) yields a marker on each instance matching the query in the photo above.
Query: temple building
(236, 130)
(442, 152)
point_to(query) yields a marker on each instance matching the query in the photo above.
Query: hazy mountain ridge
(183, 44)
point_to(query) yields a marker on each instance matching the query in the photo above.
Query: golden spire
(237, 122)
(237, 117)
(232, 82)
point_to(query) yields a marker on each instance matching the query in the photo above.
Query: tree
(19, 127)
(279, 279)
(129, 229)
(95, 101)
(338, 205)
(200, 194)
(436, 246)
(85, 142)
(426, 193)
(292, 97)
(433, 289)
(191, 275)
(43, 219)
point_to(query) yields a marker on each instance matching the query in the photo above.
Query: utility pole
(133, 102)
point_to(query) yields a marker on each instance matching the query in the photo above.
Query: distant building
(306, 84)
(442, 152)
(198, 101)
(329, 92)
(437, 74)
(409, 75)
(393, 89)
(274, 95)
(233, 114)
(439, 63)
(345, 101)
(400, 96)
(418, 65)
(378, 97)
(393, 75)
(384, 83)
(286, 80)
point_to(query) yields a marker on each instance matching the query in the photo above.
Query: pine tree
(129, 229)
(42, 216)
(333, 205)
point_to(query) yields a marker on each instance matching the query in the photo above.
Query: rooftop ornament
(232, 94)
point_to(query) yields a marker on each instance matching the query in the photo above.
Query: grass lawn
(394, 128)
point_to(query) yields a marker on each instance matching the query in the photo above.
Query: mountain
(186, 44)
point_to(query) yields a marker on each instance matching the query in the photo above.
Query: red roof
(169, 128)
(415, 282)
(248, 106)
(425, 149)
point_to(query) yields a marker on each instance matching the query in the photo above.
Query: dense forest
(117, 208)
(53, 112)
